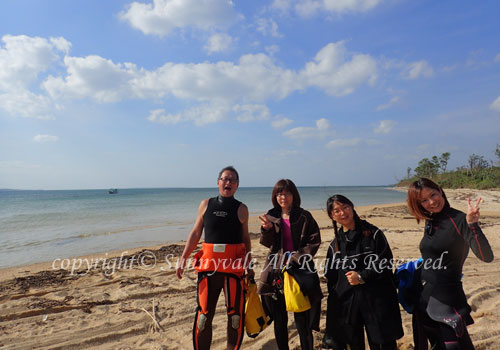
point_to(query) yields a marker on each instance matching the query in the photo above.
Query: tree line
(477, 173)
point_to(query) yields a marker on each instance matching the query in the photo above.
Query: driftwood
(155, 327)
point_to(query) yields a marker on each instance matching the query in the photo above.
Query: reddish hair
(413, 202)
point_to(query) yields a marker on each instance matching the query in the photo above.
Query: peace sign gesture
(473, 211)
(266, 224)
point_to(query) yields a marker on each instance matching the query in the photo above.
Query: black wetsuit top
(373, 303)
(444, 248)
(221, 221)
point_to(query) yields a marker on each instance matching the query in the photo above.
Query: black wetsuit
(222, 226)
(372, 305)
(221, 222)
(443, 313)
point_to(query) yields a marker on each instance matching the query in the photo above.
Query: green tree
(427, 168)
(443, 161)
(477, 162)
(497, 153)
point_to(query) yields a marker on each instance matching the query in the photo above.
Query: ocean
(37, 226)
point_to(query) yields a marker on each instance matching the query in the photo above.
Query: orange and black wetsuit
(220, 265)
(443, 313)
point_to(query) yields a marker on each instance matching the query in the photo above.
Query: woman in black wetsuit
(442, 313)
(361, 291)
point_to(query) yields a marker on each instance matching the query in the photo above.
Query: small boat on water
(112, 191)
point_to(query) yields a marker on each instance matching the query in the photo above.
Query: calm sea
(38, 226)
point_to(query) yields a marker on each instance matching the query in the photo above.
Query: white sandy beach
(43, 308)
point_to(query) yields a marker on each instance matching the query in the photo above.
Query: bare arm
(193, 238)
(243, 216)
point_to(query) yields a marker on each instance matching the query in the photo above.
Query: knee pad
(452, 345)
(235, 321)
(202, 320)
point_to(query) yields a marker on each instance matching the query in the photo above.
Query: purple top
(287, 235)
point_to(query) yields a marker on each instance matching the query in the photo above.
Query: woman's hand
(353, 278)
(473, 211)
(266, 224)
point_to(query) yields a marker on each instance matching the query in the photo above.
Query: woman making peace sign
(293, 238)
(442, 314)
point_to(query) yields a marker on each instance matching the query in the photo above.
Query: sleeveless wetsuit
(223, 238)
(221, 222)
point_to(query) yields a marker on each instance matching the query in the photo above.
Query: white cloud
(162, 16)
(45, 138)
(308, 8)
(219, 43)
(305, 132)
(344, 143)
(322, 124)
(281, 5)
(281, 122)
(24, 103)
(250, 113)
(337, 76)
(159, 116)
(267, 26)
(200, 115)
(389, 104)
(384, 127)
(93, 76)
(341, 6)
(252, 80)
(418, 69)
(22, 60)
(61, 44)
(497, 58)
(495, 105)
(272, 49)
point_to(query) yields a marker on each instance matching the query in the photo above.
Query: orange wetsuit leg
(209, 287)
(235, 304)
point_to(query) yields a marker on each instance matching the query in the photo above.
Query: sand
(104, 307)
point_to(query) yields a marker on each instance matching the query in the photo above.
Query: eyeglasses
(343, 209)
(228, 179)
(283, 194)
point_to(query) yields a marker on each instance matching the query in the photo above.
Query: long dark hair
(359, 224)
(289, 186)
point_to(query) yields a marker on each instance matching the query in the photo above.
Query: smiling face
(227, 183)
(285, 200)
(343, 214)
(431, 200)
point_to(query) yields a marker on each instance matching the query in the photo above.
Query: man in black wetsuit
(222, 261)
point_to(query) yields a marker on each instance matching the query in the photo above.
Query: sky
(165, 93)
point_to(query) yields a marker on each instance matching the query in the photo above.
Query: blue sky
(164, 93)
